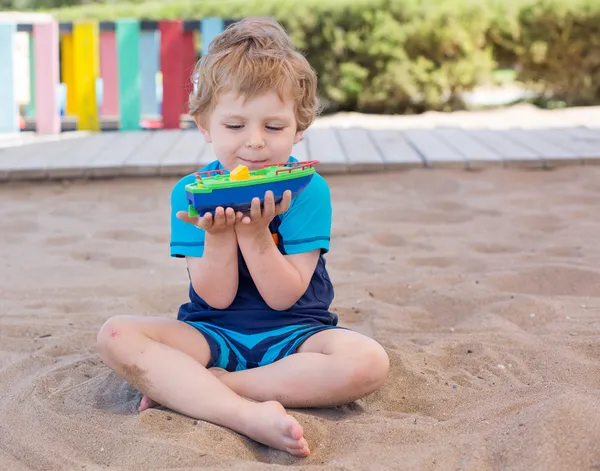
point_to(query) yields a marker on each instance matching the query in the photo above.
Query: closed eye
(274, 128)
(234, 126)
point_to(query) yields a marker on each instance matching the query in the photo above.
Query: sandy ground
(483, 287)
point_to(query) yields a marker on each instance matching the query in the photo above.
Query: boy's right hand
(223, 220)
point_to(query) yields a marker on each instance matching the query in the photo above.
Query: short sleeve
(186, 239)
(306, 225)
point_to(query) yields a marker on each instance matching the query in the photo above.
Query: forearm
(279, 283)
(214, 276)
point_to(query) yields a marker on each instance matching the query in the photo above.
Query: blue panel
(149, 66)
(209, 29)
(9, 109)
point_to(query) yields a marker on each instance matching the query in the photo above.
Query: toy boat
(237, 188)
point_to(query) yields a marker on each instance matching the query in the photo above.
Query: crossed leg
(165, 359)
(332, 367)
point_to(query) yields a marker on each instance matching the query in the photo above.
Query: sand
(483, 287)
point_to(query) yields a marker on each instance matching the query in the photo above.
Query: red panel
(189, 61)
(110, 73)
(172, 53)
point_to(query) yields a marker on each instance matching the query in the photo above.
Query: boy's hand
(258, 220)
(223, 221)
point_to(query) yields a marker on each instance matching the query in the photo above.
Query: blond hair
(252, 57)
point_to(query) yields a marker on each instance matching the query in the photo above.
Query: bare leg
(174, 378)
(332, 367)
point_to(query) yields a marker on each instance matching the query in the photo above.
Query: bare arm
(214, 276)
(280, 279)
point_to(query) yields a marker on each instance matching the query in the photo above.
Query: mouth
(253, 163)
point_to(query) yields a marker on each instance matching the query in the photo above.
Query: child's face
(259, 131)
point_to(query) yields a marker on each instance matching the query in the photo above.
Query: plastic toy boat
(236, 189)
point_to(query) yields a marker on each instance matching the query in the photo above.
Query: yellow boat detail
(241, 172)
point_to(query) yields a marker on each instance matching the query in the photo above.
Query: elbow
(219, 303)
(279, 305)
(283, 301)
(216, 299)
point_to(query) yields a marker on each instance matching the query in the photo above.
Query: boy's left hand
(258, 220)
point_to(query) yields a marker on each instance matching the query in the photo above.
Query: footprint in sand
(447, 206)
(564, 251)
(546, 224)
(418, 217)
(15, 226)
(493, 248)
(388, 239)
(438, 262)
(360, 264)
(551, 280)
(62, 240)
(119, 263)
(518, 309)
(128, 235)
(89, 256)
(127, 263)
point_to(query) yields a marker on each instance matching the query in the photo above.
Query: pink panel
(46, 77)
(109, 73)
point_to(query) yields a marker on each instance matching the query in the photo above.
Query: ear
(298, 137)
(204, 130)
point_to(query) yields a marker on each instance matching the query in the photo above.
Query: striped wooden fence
(110, 70)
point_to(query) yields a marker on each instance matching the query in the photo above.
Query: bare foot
(270, 424)
(146, 403)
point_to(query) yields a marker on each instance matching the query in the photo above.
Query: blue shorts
(235, 351)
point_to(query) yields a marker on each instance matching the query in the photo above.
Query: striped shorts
(235, 351)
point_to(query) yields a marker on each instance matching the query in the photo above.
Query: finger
(206, 221)
(241, 218)
(284, 205)
(184, 216)
(255, 209)
(230, 216)
(269, 206)
(219, 217)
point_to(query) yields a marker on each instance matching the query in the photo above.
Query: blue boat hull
(240, 198)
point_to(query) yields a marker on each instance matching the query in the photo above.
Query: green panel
(128, 53)
(31, 106)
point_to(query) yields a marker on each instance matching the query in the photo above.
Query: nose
(255, 140)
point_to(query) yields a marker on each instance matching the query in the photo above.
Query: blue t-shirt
(305, 226)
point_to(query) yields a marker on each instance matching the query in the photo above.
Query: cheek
(284, 141)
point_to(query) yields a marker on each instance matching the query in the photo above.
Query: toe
(295, 431)
(146, 403)
(297, 444)
(299, 451)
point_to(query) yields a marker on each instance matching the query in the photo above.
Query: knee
(111, 333)
(370, 368)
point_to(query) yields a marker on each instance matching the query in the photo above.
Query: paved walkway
(26, 156)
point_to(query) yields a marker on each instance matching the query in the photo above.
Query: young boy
(258, 315)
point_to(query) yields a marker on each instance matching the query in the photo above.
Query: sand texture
(483, 287)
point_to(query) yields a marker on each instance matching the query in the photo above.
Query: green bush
(371, 56)
(555, 46)
(398, 56)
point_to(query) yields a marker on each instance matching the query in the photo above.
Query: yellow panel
(86, 70)
(68, 72)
